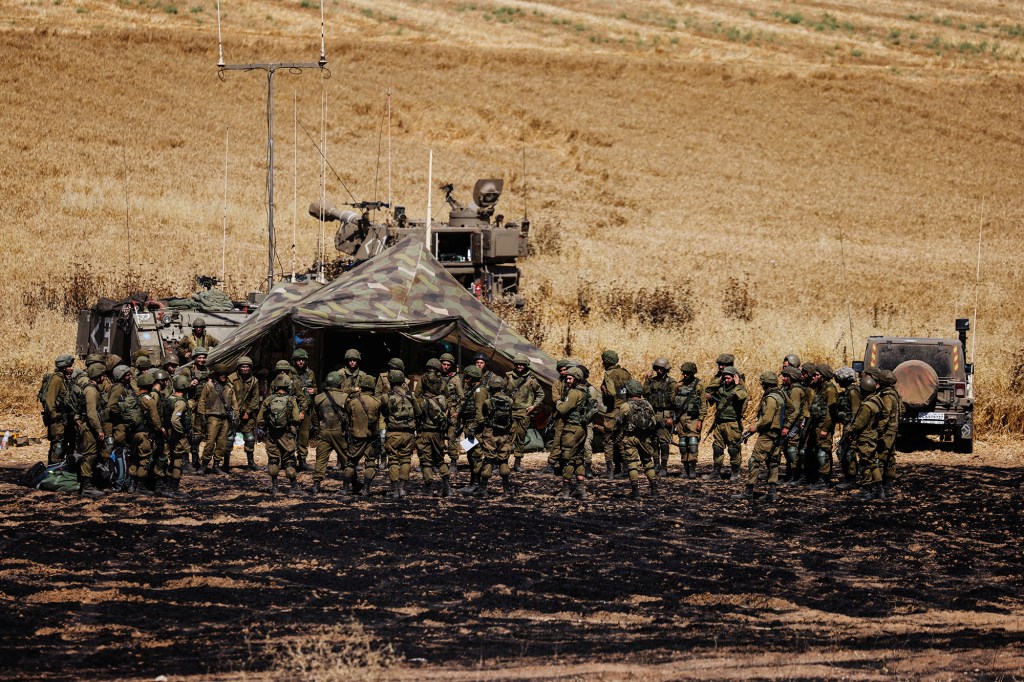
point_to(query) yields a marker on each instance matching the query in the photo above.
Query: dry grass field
(710, 177)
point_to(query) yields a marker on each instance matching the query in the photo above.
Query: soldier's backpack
(74, 400)
(168, 413)
(112, 473)
(500, 415)
(279, 411)
(131, 411)
(434, 412)
(45, 386)
(400, 409)
(589, 409)
(640, 418)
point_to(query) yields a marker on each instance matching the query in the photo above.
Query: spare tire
(916, 382)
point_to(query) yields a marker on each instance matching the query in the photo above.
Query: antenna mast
(271, 68)
(224, 238)
(430, 186)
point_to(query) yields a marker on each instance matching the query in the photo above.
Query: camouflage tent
(401, 291)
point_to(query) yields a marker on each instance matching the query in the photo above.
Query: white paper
(468, 444)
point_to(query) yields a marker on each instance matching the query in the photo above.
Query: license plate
(932, 417)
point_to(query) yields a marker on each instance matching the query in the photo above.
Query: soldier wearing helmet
(198, 374)
(613, 395)
(199, 338)
(350, 372)
(729, 399)
(246, 388)
(889, 422)
(796, 422)
(453, 390)
(363, 411)
(383, 384)
(527, 398)
(114, 423)
(329, 427)
(574, 411)
(305, 382)
(170, 364)
(89, 429)
(558, 390)
(767, 451)
(217, 409)
(279, 416)
(482, 361)
(177, 418)
(791, 360)
(659, 388)
(51, 395)
(400, 412)
(496, 439)
(640, 422)
(864, 434)
(471, 422)
(146, 437)
(847, 406)
(690, 410)
(822, 425)
(431, 429)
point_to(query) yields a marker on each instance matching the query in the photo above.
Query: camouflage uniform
(527, 397)
(430, 429)
(659, 389)
(496, 439)
(90, 431)
(558, 391)
(889, 423)
(280, 440)
(363, 411)
(796, 422)
(822, 423)
(400, 412)
(198, 373)
(246, 388)
(690, 410)
(729, 401)
(865, 432)
(640, 423)
(216, 408)
(765, 456)
(52, 393)
(847, 406)
(305, 382)
(453, 390)
(146, 437)
(329, 427)
(177, 418)
(613, 394)
(571, 412)
(471, 423)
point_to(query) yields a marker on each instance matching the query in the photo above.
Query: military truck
(935, 383)
(476, 246)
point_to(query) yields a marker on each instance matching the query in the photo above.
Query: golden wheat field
(749, 168)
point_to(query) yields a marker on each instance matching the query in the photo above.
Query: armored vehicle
(934, 381)
(476, 246)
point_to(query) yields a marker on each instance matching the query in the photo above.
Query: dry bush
(657, 307)
(737, 301)
(344, 652)
(528, 321)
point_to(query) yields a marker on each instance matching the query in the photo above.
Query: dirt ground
(689, 585)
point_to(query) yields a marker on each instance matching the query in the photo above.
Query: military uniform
(363, 411)
(823, 424)
(247, 401)
(767, 451)
(280, 440)
(889, 422)
(453, 390)
(640, 424)
(847, 406)
(400, 412)
(571, 412)
(613, 396)
(197, 375)
(659, 390)
(216, 408)
(729, 403)
(329, 426)
(430, 431)
(188, 344)
(178, 421)
(471, 423)
(527, 397)
(796, 422)
(52, 393)
(496, 439)
(146, 438)
(306, 381)
(690, 410)
(558, 391)
(865, 432)
(90, 435)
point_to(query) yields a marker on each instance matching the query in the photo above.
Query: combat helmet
(575, 372)
(396, 363)
(886, 378)
(64, 361)
(825, 371)
(845, 376)
(198, 323)
(521, 359)
(145, 380)
(244, 360)
(434, 363)
(283, 366)
(396, 377)
(200, 350)
(609, 357)
(688, 367)
(367, 382)
(162, 376)
(333, 380)
(769, 379)
(661, 363)
(181, 383)
(300, 354)
(281, 382)
(142, 362)
(96, 370)
(93, 358)
(496, 382)
(353, 354)
(725, 359)
(634, 388)
(792, 359)
(473, 372)
(868, 383)
(481, 356)
(170, 359)
(562, 363)
(119, 372)
(447, 357)
(792, 372)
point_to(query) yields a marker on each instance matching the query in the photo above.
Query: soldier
(471, 419)
(51, 396)
(796, 423)
(279, 416)
(527, 398)
(170, 363)
(89, 429)
(307, 388)
(383, 384)
(145, 437)
(574, 411)
(806, 442)
(765, 456)
(452, 389)
(188, 345)
(558, 391)
(822, 425)
(613, 394)
(791, 360)
(724, 360)
(363, 411)
(329, 427)
(217, 410)
(690, 411)
(350, 373)
(864, 433)
(588, 443)
(431, 427)
(729, 399)
(659, 388)
(246, 388)
(400, 413)
(482, 361)
(640, 424)
(892, 406)
(114, 424)
(177, 419)
(847, 405)
(141, 364)
(197, 376)
(496, 439)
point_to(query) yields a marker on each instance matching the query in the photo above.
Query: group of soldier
(159, 417)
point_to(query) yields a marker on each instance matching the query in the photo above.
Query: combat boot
(251, 461)
(446, 485)
(518, 466)
(316, 488)
(226, 466)
(202, 470)
(470, 487)
(429, 489)
(847, 484)
(821, 484)
(294, 487)
(563, 493)
(686, 470)
(868, 494)
(87, 489)
(506, 486)
(160, 487)
(796, 480)
(747, 494)
(273, 487)
(734, 470)
(394, 490)
(580, 491)
(634, 490)
(654, 487)
(218, 470)
(548, 469)
(588, 471)
(715, 473)
(401, 489)
(773, 493)
(139, 487)
(609, 472)
(481, 491)
(365, 490)
(170, 489)
(888, 489)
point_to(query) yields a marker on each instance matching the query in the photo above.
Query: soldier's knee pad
(692, 442)
(791, 453)
(824, 456)
(734, 449)
(249, 439)
(718, 450)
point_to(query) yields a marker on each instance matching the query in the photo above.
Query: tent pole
(430, 186)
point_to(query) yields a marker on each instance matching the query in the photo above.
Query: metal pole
(271, 241)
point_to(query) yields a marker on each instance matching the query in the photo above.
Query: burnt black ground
(129, 586)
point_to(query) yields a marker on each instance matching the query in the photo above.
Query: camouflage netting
(916, 382)
(403, 290)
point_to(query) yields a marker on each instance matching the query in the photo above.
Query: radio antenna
(846, 289)
(295, 175)
(127, 222)
(977, 281)
(224, 238)
(271, 68)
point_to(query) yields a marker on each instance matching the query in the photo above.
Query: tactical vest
(658, 394)
(819, 404)
(780, 413)
(401, 413)
(500, 413)
(583, 413)
(639, 417)
(434, 416)
(687, 399)
(332, 414)
(725, 410)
